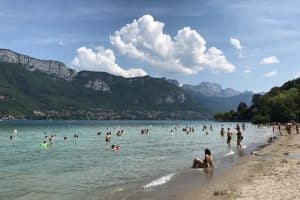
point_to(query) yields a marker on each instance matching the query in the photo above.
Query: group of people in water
(239, 136)
(49, 140)
(108, 138)
(288, 127)
(188, 130)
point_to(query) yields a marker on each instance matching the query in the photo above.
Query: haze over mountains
(33, 88)
(211, 89)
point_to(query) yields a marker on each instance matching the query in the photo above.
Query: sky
(245, 45)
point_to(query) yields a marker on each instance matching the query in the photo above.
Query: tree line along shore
(280, 104)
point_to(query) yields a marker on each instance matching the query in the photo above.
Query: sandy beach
(273, 173)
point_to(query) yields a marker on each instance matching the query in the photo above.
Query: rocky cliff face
(48, 66)
(98, 85)
(170, 98)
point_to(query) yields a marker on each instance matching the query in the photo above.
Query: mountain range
(44, 89)
(216, 99)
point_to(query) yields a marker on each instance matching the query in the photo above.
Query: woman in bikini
(206, 163)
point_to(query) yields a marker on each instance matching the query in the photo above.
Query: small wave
(160, 181)
(230, 153)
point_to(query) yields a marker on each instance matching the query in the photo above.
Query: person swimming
(44, 144)
(207, 163)
(119, 133)
(108, 137)
(145, 131)
(115, 147)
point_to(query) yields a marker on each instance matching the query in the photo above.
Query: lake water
(86, 168)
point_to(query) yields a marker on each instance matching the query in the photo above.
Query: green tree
(256, 98)
(242, 111)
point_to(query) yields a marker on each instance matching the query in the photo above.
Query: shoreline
(273, 173)
(188, 179)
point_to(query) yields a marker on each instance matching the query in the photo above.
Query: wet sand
(273, 173)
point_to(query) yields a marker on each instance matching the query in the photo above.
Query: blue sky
(82, 34)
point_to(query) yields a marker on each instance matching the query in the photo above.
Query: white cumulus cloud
(270, 74)
(269, 60)
(236, 43)
(101, 59)
(144, 40)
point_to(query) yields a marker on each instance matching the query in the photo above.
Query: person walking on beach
(229, 136)
(239, 138)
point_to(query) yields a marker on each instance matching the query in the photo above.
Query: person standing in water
(229, 136)
(239, 138)
(222, 132)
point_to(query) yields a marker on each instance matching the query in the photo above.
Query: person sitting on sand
(207, 163)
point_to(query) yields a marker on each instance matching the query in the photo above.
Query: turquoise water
(82, 168)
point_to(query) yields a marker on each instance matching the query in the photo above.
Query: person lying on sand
(206, 163)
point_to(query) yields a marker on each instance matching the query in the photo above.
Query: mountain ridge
(211, 89)
(90, 95)
(34, 88)
(51, 67)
